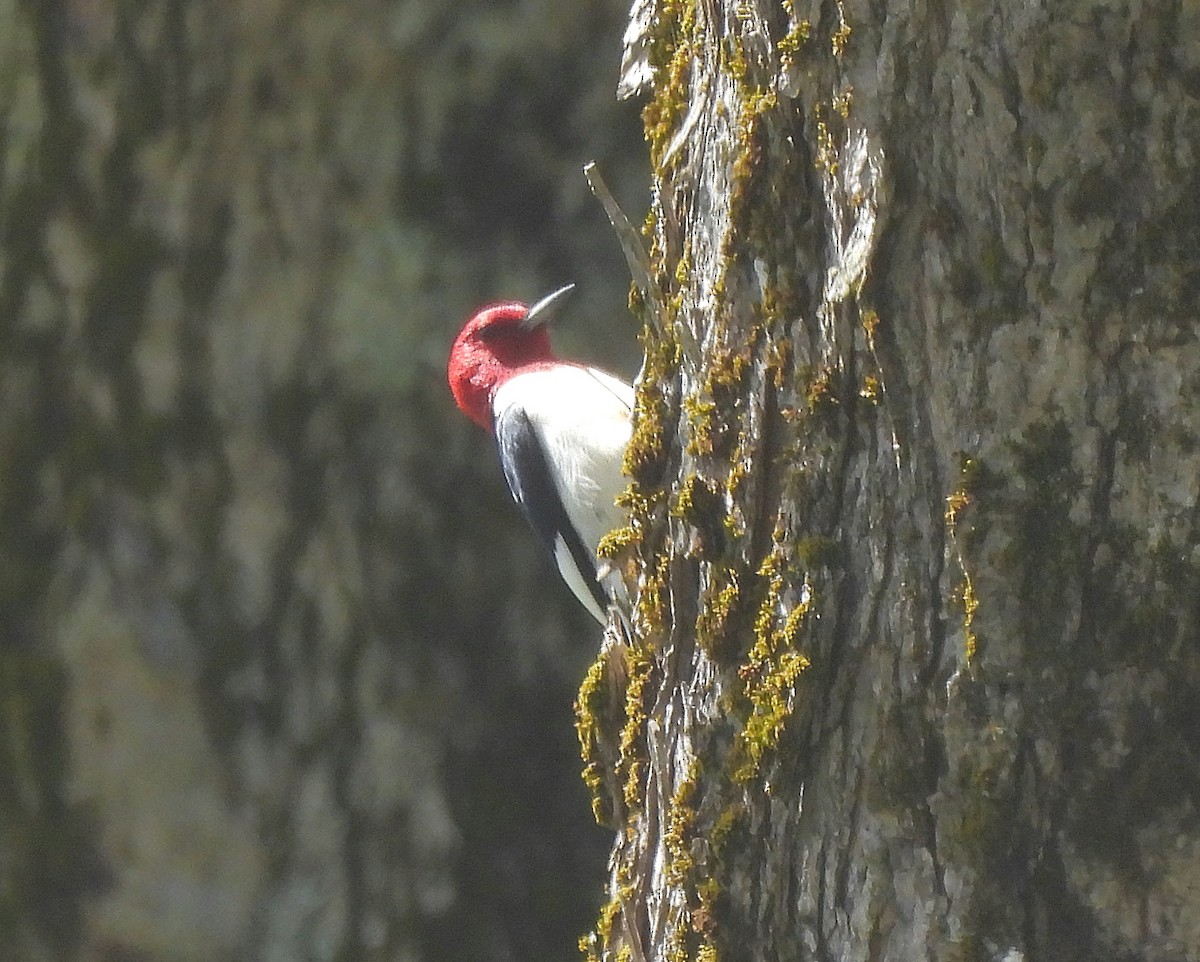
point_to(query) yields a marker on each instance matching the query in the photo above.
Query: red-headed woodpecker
(561, 430)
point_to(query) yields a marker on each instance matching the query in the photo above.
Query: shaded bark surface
(915, 657)
(280, 675)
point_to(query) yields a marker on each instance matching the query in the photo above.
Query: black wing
(533, 489)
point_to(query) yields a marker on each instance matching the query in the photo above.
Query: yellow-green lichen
(821, 394)
(708, 894)
(701, 504)
(678, 947)
(870, 324)
(963, 593)
(870, 389)
(733, 57)
(702, 419)
(750, 144)
(617, 541)
(773, 666)
(973, 478)
(732, 820)
(770, 684)
(970, 603)
(714, 410)
(718, 605)
(683, 268)
(681, 827)
(653, 600)
(841, 103)
(632, 759)
(598, 717)
(841, 36)
(594, 944)
(797, 36)
(740, 469)
(673, 40)
(779, 361)
(697, 501)
(825, 158)
(647, 445)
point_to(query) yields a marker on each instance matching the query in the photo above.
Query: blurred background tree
(281, 675)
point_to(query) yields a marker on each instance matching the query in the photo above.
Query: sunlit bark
(915, 509)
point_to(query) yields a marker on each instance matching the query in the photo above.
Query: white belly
(582, 418)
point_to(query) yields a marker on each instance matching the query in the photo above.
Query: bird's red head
(495, 344)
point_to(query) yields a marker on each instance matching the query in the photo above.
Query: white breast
(582, 418)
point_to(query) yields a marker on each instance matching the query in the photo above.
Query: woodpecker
(561, 430)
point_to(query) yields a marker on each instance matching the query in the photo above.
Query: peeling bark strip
(914, 498)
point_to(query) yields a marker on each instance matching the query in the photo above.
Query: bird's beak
(544, 310)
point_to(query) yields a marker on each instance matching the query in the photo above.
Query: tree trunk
(915, 656)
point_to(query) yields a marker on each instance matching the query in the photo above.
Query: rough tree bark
(914, 514)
